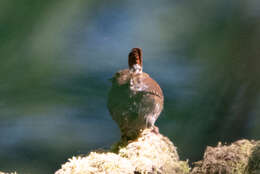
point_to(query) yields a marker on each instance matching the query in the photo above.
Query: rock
(253, 166)
(236, 158)
(149, 153)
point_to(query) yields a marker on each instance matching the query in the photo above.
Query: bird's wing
(144, 83)
(121, 77)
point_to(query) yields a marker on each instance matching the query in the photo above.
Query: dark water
(57, 57)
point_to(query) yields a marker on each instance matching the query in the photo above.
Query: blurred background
(57, 57)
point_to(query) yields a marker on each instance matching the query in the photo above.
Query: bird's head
(135, 60)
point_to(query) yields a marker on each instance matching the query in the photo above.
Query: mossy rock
(253, 166)
(236, 158)
(150, 153)
(153, 153)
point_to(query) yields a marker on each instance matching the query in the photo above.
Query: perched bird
(135, 100)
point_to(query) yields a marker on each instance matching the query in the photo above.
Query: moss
(232, 159)
(153, 153)
(96, 163)
(253, 166)
(149, 153)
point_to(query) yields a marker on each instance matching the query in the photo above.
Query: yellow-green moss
(97, 163)
(149, 153)
(153, 153)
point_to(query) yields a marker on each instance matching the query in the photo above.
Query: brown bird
(135, 100)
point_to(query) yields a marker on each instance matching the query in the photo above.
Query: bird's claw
(155, 130)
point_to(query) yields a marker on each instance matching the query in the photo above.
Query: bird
(135, 100)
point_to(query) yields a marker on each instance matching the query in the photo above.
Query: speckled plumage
(135, 100)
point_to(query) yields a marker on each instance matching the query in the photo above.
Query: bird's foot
(155, 129)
